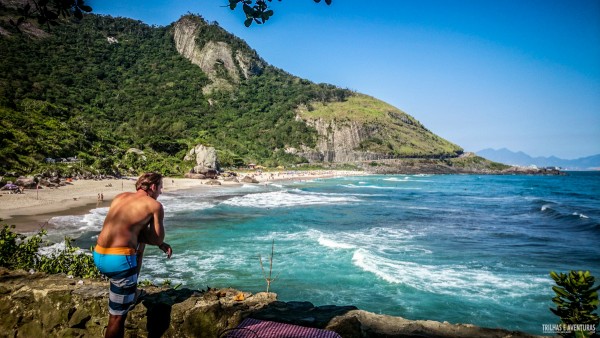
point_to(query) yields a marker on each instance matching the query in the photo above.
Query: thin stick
(269, 279)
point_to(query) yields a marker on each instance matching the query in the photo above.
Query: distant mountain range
(519, 158)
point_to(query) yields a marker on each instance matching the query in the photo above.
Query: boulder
(28, 183)
(249, 179)
(195, 176)
(205, 157)
(229, 174)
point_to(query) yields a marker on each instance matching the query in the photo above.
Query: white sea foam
(71, 224)
(544, 207)
(376, 239)
(280, 199)
(580, 215)
(55, 248)
(298, 191)
(330, 243)
(194, 265)
(290, 236)
(353, 186)
(406, 179)
(50, 249)
(397, 179)
(419, 208)
(183, 205)
(448, 280)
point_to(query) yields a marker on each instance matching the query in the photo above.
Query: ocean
(457, 248)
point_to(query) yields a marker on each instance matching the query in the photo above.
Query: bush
(19, 252)
(576, 300)
(70, 260)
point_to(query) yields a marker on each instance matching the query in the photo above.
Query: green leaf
(86, 8)
(248, 10)
(248, 22)
(560, 291)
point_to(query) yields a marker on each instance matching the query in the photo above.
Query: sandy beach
(32, 209)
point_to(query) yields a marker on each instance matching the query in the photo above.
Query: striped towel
(254, 328)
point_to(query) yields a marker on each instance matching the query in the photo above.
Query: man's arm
(159, 227)
(154, 232)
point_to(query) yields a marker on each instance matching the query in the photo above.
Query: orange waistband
(114, 251)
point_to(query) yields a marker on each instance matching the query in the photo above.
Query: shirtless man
(133, 220)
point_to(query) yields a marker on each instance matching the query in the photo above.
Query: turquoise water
(457, 248)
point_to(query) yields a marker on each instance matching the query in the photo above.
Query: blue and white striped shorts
(120, 266)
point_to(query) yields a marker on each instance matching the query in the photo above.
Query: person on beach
(134, 219)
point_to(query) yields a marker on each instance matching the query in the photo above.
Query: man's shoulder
(132, 197)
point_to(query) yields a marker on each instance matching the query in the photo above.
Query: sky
(516, 74)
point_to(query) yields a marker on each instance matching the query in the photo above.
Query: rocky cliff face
(363, 128)
(338, 142)
(39, 305)
(223, 66)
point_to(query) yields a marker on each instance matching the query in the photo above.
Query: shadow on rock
(301, 313)
(158, 309)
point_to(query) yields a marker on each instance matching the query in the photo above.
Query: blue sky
(520, 74)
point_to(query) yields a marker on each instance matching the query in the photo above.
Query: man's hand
(166, 248)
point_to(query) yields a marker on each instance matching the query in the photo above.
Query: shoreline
(30, 211)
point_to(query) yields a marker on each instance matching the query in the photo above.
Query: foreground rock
(40, 305)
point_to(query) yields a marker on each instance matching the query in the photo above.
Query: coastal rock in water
(249, 179)
(40, 305)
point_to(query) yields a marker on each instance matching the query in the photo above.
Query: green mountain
(95, 89)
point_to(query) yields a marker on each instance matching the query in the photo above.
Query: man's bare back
(128, 216)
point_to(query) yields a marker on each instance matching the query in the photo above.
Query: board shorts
(120, 266)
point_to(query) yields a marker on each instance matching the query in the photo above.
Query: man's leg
(116, 326)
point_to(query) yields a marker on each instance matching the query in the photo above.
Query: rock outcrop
(338, 142)
(223, 66)
(362, 128)
(40, 305)
(206, 160)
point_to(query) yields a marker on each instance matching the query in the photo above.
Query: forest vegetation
(96, 88)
